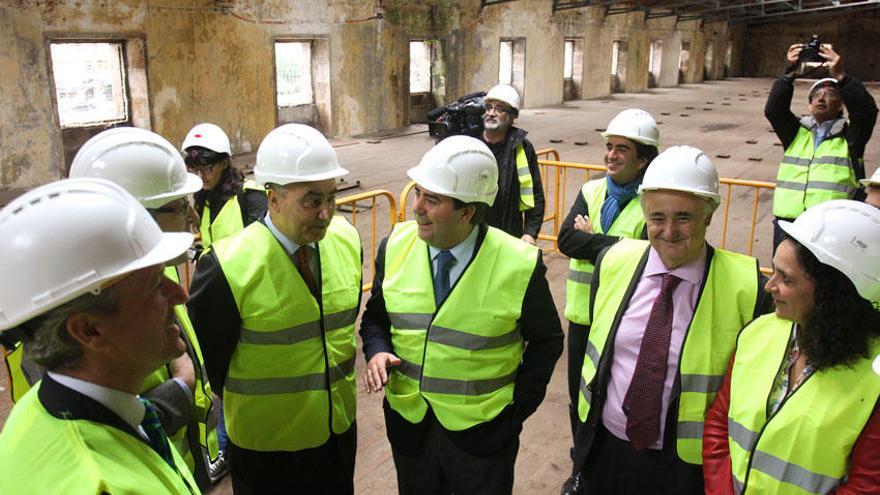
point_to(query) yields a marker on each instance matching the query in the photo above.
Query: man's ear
(83, 329)
(467, 214)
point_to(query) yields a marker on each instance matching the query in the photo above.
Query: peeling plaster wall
(855, 37)
(213, 61)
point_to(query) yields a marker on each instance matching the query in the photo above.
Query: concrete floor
(721, 117)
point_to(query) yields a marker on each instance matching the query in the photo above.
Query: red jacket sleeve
(864, 472)
(716, 452)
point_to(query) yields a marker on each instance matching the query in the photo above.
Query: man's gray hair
(49, 344)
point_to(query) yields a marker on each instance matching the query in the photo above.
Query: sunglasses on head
(198, 157)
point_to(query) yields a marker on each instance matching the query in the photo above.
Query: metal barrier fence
(349, 206)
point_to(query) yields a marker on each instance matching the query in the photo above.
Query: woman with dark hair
(797, 412)
(227, 202)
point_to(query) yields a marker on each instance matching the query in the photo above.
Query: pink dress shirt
(628, 341)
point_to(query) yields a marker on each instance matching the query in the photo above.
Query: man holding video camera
(823, 151)
(519, 206)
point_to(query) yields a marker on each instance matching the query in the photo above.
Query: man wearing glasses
(519, 206)
(274, 308)
(824, 152)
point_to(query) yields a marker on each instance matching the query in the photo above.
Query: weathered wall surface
(213, 61)
(855, 37)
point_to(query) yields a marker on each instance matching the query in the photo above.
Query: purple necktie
(643, 400)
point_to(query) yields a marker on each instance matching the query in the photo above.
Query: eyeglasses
(497, 108)
(201, 169)
(828, 93)
(181, 208)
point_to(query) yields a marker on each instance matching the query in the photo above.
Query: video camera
(461, 117)
(810, 51)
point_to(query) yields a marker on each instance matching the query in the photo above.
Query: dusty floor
(721, 117)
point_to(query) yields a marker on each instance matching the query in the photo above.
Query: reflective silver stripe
(341, 319)
(464, 340)
(585, 391)
(266, 386)
(290, 335)
(465, 387)
(579, 276)
(832, 160)
(409, 369)
(743, 436)
(784, 184)
(525, 191)
(690, 429)
(792, 473)
(830, 186)
(341, 370)
(737, 485)
(793, 160)
(301, 332)
(593, 354)
(701, 383)
(410, 321)
(522, 171)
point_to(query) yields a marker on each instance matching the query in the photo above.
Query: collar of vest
(836, 128)
(68, 404)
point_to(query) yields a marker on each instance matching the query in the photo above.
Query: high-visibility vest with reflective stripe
(727, 302)
(462, 358)
(277, 395)
(228, 221)
(629, 223)
(808, 177)
(40, 453)
(526, 184)
(203, 402)
(805, 447)
(18, 385)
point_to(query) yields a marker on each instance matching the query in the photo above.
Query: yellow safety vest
(40, 453)
(18, 385)
(630, 224)
(228, 221)
(461, 358)
(203, 399)
(805, 446)
(291, 378)
(726, 304)
(808, 177)
(526, 184)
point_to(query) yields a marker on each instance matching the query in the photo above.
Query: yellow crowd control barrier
(349, 207)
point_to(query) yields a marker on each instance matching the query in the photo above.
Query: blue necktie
(155, 433)
(445, 260)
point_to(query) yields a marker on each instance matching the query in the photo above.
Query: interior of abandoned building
(366, 73)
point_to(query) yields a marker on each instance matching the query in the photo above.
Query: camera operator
(824, 151)
(519, 205)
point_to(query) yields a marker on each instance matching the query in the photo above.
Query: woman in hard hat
(227, 203)
(797, 412)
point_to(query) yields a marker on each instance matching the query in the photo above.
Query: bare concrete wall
(854, 36)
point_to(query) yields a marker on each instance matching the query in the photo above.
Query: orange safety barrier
(352, 215)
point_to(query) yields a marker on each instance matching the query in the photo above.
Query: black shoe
(574, 485)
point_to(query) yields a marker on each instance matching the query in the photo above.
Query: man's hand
(583, 224)
(793, 52)
(832, 60)
(183, 369)
(376, 375)
(528, 238)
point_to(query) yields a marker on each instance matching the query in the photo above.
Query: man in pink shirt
(665, 316)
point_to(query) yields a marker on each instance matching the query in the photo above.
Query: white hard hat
(844, 234)
(64, 239)
(683, 168)
(819, 83)
(144, 163)
(208, 136)
(505, 93)
(296, 153)
(460, 167)
(873, 181)
(635, 124)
